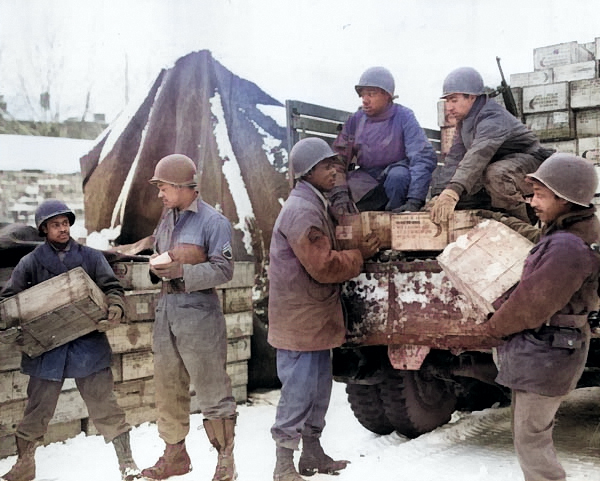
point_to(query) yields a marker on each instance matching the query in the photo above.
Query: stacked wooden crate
(132, 362)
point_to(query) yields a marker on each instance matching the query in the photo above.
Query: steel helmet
(176, 169)
(463, 80)
(379, 77)
(570, 177)
(307, 153)
(51, 208)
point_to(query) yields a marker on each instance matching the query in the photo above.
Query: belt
(568, 320)
(173, 286)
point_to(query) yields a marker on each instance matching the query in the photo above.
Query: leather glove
(444, 206)
(114, 317)
(411, 205)
(369, 246)
(341, 203)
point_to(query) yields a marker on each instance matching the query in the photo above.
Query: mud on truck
(411, 356)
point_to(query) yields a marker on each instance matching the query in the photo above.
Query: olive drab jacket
(305, 272)
(545, 317)
(89, 353)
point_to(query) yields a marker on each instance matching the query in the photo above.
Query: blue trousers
(396, 184)
(306, 382)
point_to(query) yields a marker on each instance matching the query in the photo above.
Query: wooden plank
(317, 111)
(552, 125)
(238, 324)
(238, 349)
(135, 393)
(243, 276)
(576, 71)
(545, 98)
(141, 305)
(134, 275)
(353, 228)
(587, 123)
(585, 93)
(486, 262)
(309, 124)
(116, 366)
(137, 365)
(131, 337)
(237, 299)
(527, 79)
(10, 357)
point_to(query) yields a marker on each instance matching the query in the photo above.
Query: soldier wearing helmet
(384, 140)
(305, 311)
(544, 320)
(193, 256)
(491, 154)
(87, 358)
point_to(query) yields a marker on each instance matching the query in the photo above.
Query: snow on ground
(472, 447)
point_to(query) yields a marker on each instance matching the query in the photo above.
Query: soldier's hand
(444, 206)
(173, 270)
(411, 205)
(114, 318)
(369, 246)
(489, 214)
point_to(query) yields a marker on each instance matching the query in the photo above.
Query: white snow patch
(270, 144)
(103, 240)
(231, 171)
(276, 112)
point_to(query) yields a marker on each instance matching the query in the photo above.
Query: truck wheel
(416, 403)
(365, 401)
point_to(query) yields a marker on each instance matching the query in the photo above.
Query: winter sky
(311, 50)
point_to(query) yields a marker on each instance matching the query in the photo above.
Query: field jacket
(305, 272)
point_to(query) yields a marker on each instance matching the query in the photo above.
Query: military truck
(411, 357)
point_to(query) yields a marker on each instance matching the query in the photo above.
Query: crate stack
(132, 363)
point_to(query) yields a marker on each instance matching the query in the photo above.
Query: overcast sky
(311, 50)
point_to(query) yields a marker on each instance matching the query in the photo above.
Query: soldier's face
(171, 195)
(374, 100)
(322, 176)
(546, 204)
(458, 106)
(57, 229)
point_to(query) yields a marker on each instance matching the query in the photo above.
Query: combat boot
(314, 460)
(284, 466)
(24, 468)
(221, 434)
(175, 461)
(127, 466)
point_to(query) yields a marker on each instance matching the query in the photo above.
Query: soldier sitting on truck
(545, 318)
(386, 142)
(491, 155)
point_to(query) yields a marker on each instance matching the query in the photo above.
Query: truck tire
(366, 404)
(415, 403)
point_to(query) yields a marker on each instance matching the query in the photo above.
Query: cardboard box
(414, 231)
(576, 71)
(585, 94)
(486, 262)
(552, 125)
(546, 98)
(560, 54)
(587, 123)
(527, 79)
(55, 311)
(354, 228)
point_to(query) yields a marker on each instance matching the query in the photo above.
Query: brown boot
(284, 466)
(127, 466)
(221, 433)
(24, 468)
(175, 461)
(314, 460)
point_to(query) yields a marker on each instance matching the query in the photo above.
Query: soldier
(386, 142)
(87, 358)
(545, 319)
(305, 310)
(491, 154)
(190, 338)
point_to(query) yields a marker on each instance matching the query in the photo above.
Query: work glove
(369, 246)
(12, 335)
(444, 206)
(411, 205)
(490, 214)
(114, 317)
(341, 203)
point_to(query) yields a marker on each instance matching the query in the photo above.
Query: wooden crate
(587, 123)
(239, 324)
(576, 71)
(237, 299)
(569, 146)
(243, 276)
(545, 98)
(517, 95)
(136, 336)
(589, 148)
(414, 231)
(140, 305)
(560, 54)
(354, 228)
(134, 275)
(527, 79)
(55, 311)
(585, 94)
(486, 262)
(552, 125)
(10, 357)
